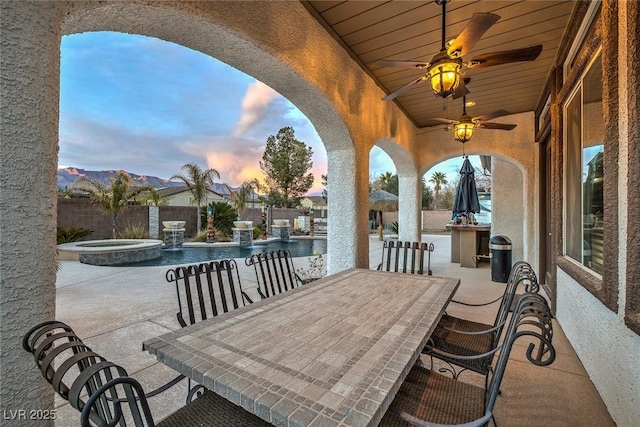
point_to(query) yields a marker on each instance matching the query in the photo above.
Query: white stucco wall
(507, 206)
(609, 351)
(28, 164)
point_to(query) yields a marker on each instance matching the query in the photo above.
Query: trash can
(500, 248)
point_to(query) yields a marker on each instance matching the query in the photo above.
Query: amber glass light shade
(463, 130)
(444, 74)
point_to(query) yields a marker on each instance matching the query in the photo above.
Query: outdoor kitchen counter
(464, 242)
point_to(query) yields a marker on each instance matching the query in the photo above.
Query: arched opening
(507, 198)
(237, 43)
(402, 178)
(148, 107)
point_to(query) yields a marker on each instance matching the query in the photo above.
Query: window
(583, 169)
(585, 32)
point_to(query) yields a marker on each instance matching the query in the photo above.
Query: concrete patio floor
(114, 309)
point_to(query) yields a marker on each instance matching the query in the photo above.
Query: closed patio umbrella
(466, 198)
(382, 201)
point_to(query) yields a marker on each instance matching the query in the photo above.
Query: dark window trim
(605, 35)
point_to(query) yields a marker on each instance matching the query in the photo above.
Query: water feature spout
(173, 234)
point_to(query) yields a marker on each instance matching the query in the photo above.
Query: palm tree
(115, 198)
(240, 196)
(439, 179)
(198, 181)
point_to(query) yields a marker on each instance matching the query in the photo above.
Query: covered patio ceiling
(411, 31)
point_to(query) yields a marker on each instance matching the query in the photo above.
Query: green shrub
(223, 217)
(71, 234)
(394, 227)
(134, 232)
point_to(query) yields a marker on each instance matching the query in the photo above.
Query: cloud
(255, 103)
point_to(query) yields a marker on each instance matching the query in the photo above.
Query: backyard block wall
(82, 214)
(180, 213)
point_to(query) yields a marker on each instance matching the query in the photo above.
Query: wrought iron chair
(427, 398)
(274, 272)
(470, 345)
(105, 395)
(529, 286)
(400, 257)
(206, 290)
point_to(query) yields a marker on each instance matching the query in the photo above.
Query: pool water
(190, 255)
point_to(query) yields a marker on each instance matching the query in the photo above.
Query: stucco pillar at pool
(243, 233)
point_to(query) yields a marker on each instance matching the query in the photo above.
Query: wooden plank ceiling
(411, 31)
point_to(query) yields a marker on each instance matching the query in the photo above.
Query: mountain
(68, 176)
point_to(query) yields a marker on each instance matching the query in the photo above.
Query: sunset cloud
(255, 103)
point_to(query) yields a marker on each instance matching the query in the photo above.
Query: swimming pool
(190, 255)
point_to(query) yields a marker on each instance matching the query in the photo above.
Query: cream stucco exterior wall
(608, 349)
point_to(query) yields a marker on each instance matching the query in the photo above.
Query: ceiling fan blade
(505, 57)
(401, 64)
(404, 88)
(490, 116)
(443, 121)
(497, 126)
(461, 90)
(472, 32)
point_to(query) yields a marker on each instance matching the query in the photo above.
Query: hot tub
(111, 251)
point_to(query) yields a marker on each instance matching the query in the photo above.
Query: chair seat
(435, 398)
(461, 344)
(212, 410)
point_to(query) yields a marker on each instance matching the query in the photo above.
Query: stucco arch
(514, 174)
(297, 61)
(277, 42)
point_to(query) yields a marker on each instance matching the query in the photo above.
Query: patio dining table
(330, 353)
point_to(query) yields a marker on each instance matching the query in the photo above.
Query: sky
(148, 107)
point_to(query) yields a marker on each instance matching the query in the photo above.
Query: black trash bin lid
(500, 242)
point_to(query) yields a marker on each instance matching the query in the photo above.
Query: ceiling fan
(444, 70)
(464, 127)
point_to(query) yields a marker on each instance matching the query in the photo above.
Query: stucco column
(410, 196)
(508, 205)
(30, 64)
(348, 204)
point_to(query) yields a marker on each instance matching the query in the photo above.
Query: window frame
(577, 91)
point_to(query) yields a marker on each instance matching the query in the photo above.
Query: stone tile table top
(331, 353)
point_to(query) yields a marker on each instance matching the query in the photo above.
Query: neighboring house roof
(219, 189)
(316, 200)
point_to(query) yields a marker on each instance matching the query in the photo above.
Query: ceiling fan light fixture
(463, 130)
(444, 74)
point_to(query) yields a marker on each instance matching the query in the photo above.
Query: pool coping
(72, 251)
